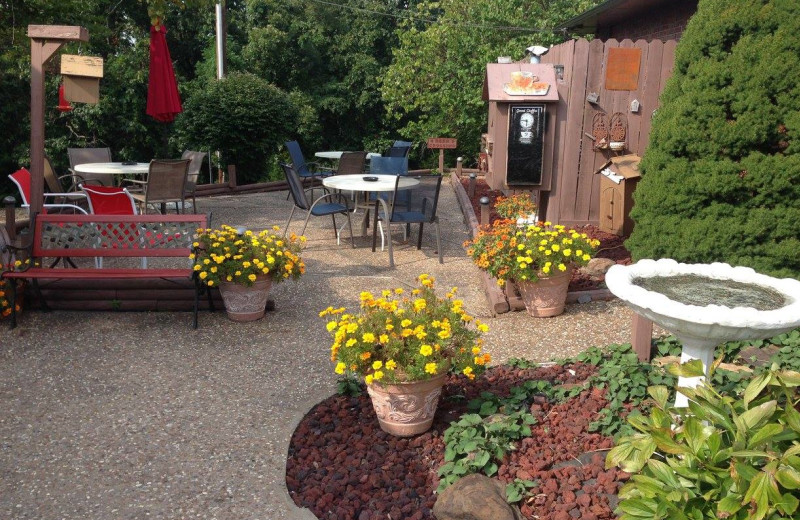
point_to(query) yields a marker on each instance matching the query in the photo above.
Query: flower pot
(406, 409)
(545, 297)
(244, 303)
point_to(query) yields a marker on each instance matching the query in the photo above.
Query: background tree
(721, 177)
(434, 84)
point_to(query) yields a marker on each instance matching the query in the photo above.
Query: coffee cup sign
(442, 144)
(522, 79)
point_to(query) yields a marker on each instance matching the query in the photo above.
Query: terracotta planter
(245, 303)
(545, 297)
(406, 409)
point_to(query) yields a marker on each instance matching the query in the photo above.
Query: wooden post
(45, 41)
(11, 224)
(232, 176)
(641, 336)
(441, 161)
(442, 143)
(459, 165)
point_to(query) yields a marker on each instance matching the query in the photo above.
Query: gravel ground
(136, 415)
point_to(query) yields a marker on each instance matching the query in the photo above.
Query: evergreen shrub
(721, 177)
(243, 117)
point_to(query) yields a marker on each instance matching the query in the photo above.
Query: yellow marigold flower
(331, 325)
(430, 368)
(406, 333)
(391, 365)
(368, 337)
(203, 275)
(352, 327)
(383, 339)
(579, 252)
(399, 291)
(251, 277)
(562, 267)
(546, 269)
(586, 258)
(206, 261)
(368, 379)
(229, 278)
(444, 334)
(365, 296)
(340, 368)
(476, 350)
(567, 252)
(210, 283)
(377, 375)
(365, 356)
(405, 323)
(377, 365)
(197, 267)
(426, 350)
(468, 372)
(419, 304)
(351, 342)
(483, 327)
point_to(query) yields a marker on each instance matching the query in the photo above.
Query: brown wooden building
(634, 19)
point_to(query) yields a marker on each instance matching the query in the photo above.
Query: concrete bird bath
(704, 305)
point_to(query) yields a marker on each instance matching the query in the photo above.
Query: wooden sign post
(442, 143)
(45, 41)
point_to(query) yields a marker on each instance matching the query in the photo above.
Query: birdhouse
(619, 178)
(81, 78)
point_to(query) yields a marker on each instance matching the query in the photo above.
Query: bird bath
(704, 305)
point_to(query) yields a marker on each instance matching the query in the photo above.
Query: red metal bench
(109, 236)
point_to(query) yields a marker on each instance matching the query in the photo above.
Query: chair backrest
(351, 163)
(166, 180)
(389, 165)
(298, 160)
(22, 178)
(295, 187)
(398, 151)
(50, 179)
(406, 144)
(107, 200)
(421, 199)
(90, 155)
(196, 161)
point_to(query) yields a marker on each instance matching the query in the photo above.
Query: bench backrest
(115, 235)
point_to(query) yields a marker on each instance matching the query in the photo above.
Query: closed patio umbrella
(163, 100)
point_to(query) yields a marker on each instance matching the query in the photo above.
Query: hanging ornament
(63, 104)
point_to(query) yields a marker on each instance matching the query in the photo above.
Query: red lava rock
(342, 466)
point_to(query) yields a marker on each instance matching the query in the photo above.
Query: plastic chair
(166, 182)
(22, 178)
(91, 155)
(196, 161)
(415, 205)
(319, 208)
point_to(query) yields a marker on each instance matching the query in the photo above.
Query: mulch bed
(611, 246)
(342, 466)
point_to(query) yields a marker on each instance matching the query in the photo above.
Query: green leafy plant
(348, 384)
(476, 444)
(722, 457)
(519, 489)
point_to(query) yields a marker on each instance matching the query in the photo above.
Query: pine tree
(721, 177)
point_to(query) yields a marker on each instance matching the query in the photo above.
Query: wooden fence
(574, 198)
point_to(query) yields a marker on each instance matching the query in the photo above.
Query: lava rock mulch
(611, 246)
(341, 465)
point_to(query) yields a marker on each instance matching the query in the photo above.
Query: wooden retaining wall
(574, 198)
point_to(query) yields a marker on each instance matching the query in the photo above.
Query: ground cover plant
(341, 465)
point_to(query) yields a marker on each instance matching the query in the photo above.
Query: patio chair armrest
(67, 195)
(329, 196)
(74, 181)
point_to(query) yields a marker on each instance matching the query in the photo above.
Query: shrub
(244, 117)
(721, 177)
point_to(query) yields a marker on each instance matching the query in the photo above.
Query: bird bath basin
(704, 305)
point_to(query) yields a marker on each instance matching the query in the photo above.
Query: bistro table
(384, 183)
(336, 155)
(114, 169)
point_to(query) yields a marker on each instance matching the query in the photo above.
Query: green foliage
(521, 363)
(519, 489)
(476, 444)
(244, 117)
(722, 457)
(350, 385)
(721, 177)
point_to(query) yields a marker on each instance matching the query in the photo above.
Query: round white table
(384, 183)
(113, 168)
(336, 155)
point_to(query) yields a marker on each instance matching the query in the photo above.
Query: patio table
(336, 155)
(114, 169)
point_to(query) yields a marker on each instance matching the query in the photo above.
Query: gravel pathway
(136, 415)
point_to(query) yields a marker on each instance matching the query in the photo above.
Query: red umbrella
(163, 100)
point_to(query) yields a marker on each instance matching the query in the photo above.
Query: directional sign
(442, 142)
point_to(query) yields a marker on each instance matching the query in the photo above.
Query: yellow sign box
(86, 66)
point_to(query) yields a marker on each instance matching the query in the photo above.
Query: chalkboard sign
(525, 144)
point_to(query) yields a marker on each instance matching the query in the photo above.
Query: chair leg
(375, 229)
(286, 228)
(419, 238)
(305, 224)
(335, 229)
(438, 241)
(350, 225)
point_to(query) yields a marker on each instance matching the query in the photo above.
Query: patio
(134, 415)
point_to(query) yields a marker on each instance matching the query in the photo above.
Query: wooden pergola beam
(45, 41)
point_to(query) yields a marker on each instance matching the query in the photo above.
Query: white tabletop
(357, 182)
(115, 168)
(336, 155)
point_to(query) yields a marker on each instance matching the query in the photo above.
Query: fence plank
(635, 118)
(649, 98)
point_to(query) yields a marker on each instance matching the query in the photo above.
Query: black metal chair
(321, 206)
(351, 163)
(414, 205)
(305, 170)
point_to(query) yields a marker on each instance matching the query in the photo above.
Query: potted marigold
(404, 343)
(519, 207)
(538, 258)
(244, 265)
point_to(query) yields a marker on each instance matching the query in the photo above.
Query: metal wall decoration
(525, 144)
(618, 132)
(600, 131)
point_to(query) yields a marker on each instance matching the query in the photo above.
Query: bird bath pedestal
(704, 305)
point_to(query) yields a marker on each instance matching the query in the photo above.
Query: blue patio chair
(388, 166)
(305, 170)
(328, 204)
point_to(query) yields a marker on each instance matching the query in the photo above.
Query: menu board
(525, 144)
